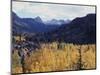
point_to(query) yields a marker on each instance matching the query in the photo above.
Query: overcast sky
(50, 11)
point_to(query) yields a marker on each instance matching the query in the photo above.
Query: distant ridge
(33, 25)
(80, 31)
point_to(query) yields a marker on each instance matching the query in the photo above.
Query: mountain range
(56, 22)
(33, 25)
(81, 30)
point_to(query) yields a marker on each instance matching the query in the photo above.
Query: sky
(50, 11)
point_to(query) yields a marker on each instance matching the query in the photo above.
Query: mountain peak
(38, 19)
(56, 22)
(14, 15)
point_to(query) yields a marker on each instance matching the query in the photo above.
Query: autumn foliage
(50, 57)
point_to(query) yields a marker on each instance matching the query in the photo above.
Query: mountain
(17, 24)
(38, 19)
(33, 25)
(56, 22)
(81, 30)
(26, 24)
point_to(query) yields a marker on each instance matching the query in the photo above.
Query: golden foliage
(51, 58)
(16, 66)
(88, 58)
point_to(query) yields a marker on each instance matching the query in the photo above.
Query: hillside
(81, 30)
(33, 25)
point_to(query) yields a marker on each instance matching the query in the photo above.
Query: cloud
(49, 11)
